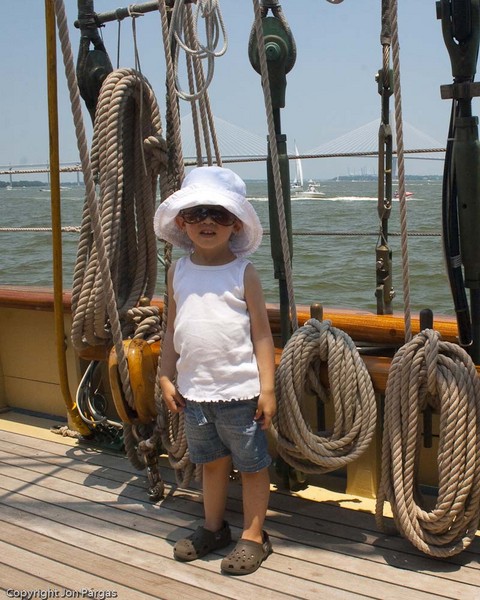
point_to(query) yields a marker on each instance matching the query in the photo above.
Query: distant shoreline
(371, 178)
(375, 177)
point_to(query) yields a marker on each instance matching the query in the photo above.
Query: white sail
(298, 169)
(297, 184)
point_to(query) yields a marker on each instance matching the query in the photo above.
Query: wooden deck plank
(335, 533)
(129, 529)
(58, 545)
(145, 558)
(60, 575)
(98, 496)
(268, 583)
(15, 579)
(330, 560)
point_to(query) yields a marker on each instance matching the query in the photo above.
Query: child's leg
(215, 486)
(255, 494)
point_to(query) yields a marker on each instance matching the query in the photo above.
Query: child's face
(208, 226)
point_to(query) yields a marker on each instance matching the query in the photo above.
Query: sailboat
(296, 187)
(9, 187)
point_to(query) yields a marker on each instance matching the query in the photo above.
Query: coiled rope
(430, 372)
(351, 391)
(427, 372)
(127, 155)
(350, 384)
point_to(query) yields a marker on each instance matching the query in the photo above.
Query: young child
(219, 344)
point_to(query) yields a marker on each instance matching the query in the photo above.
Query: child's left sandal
(247, 556)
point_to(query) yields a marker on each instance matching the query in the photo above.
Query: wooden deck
(78, 518)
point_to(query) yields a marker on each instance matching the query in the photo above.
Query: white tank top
(212, 333)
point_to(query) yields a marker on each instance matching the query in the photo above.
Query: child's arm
(169, 357)
(262, 345)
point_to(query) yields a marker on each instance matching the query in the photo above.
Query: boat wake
(322, 199)
(338, 198)
(354, 198)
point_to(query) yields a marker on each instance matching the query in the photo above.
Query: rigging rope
(351, 391)
(401, 167)
(95, 250)
(429, 372)
(274, 153)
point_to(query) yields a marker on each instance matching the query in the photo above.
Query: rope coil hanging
(127, 154)
(430, 372)
(351, 390)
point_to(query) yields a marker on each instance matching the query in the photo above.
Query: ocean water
(335, 266)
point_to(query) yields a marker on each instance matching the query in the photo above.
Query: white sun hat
(212, 186)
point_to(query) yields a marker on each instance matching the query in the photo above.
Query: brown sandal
(247, 556)
(201, 542)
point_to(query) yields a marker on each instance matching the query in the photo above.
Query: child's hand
(266, 409)
(175, 403)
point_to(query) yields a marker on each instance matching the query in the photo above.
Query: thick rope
(351, 391)
(95, 248)
(145, 323)
(127, 114)
(430, 372)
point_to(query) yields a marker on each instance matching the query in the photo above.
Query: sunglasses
(197, 214)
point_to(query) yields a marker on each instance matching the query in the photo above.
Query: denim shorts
(218, 429)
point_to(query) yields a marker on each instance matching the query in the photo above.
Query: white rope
(209, 10)
(66, 229)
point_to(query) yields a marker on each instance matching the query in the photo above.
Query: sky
(331, 89)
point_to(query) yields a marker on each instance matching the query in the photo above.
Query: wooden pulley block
(142, 359)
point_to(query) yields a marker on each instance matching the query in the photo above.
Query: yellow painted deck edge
(32, 426)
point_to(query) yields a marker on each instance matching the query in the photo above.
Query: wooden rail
(365, 328)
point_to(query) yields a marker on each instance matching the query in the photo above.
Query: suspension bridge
(238, 145)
